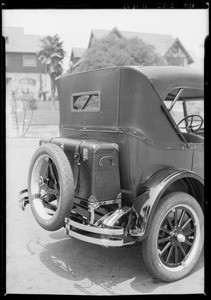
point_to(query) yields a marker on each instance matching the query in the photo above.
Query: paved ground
(41, 262)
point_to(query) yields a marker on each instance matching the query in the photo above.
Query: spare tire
(50, 186)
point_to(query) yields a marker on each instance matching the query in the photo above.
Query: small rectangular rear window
(85, 101)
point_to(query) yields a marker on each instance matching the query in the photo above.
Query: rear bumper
(107, 237)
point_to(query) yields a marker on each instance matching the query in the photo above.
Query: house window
(176, 56)
(27, 81)
(29, 60)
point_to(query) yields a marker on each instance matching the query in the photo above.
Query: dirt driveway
(41, 262)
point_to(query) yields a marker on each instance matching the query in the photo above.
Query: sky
(74, 25)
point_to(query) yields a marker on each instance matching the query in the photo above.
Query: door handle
(106, 158)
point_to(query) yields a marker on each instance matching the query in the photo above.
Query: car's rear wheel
(50, 186)
(176, 237)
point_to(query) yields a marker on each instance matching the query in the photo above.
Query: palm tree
(52, 54)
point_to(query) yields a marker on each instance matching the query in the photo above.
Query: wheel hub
(180, 238)
(178, 235)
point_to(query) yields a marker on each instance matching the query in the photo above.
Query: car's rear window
(85, 101)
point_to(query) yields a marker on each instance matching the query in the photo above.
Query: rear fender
(161, 183)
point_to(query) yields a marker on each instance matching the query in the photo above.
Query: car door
(198, 159)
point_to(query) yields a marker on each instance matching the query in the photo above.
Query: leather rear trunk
(99, 171)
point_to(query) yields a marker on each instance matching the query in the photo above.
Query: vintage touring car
(128, 165)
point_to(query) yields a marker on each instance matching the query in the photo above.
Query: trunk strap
(77, 168)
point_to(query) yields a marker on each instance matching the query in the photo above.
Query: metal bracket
(94, 205)
(67, 226)
(23, 199)
(91, 209)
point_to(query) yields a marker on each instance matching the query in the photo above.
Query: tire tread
(66, 177)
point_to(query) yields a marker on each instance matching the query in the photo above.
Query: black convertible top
(166, 78)
(130, 99)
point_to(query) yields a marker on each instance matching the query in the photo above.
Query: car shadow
(76, 260)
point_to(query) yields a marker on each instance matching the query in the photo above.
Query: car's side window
(186, 106)
(182, 102)
(195, 107)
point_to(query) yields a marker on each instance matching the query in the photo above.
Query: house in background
(76, 54)
(168, 47)
(23, 69)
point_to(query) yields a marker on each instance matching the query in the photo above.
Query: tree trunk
(53, 88)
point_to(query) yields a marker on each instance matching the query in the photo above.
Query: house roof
(78, 52)
(20, 42)
(161, 42)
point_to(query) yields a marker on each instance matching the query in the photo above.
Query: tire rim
(44, 187)
(178, 237)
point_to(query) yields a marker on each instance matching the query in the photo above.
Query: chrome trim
(91, 209)
(119, 196)
(102, 242)
(112, 219)
(99, 221)
(94, 205)
(92, 198)
(116, 201)
(130, 243)
(94, 148)
(94, 229)
(175, 99)
(135, 232)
